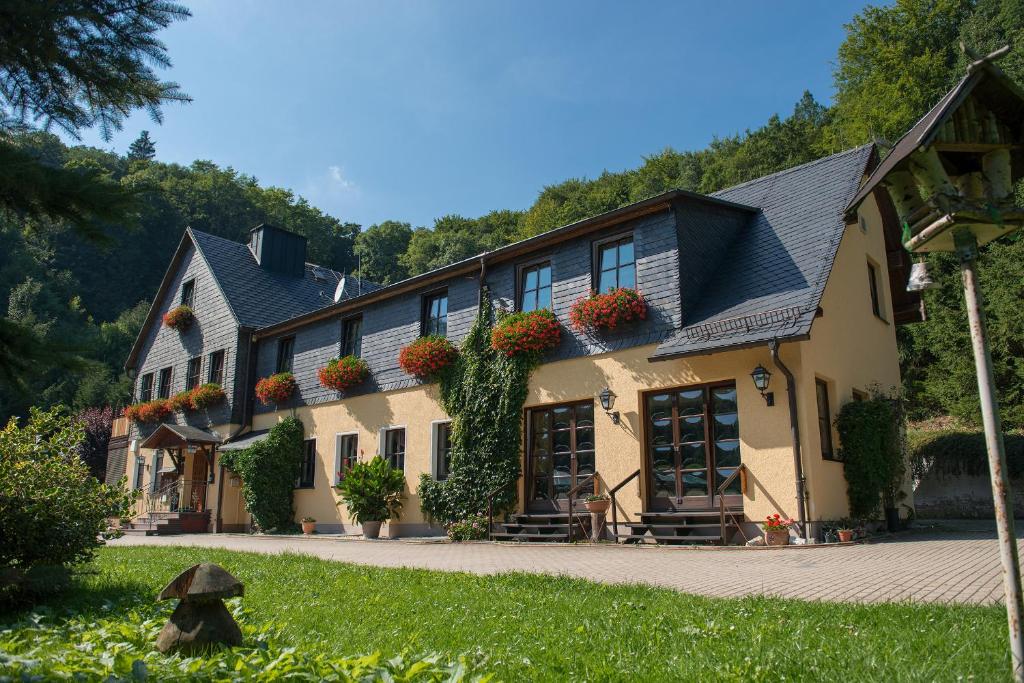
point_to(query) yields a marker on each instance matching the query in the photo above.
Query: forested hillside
(894, 64)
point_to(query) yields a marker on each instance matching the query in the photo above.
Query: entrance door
(200, 472)
(691, 432)
(560, 454)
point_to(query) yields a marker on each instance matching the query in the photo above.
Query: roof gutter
(794, 425)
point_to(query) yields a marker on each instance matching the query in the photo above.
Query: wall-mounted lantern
(762, 378)
(607, 397)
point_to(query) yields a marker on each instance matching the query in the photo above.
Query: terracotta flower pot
(308, 527)
(845, 536)
(597, 505)
(371, 529)
(779, 537)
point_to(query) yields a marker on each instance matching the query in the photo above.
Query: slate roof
(259, 297)
(770, 282)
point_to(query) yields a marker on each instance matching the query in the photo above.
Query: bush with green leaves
(52, 510)
(372, 491)
(121, 647)
(483, 391)
(954, 452)
(872, 451)
(268, 470)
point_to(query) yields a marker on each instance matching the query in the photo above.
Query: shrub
(427, 356)
(149, 411)
(472, 529)
(608, 311)
(276, 388)
(52, 510)
(372, 491)
(268, 470)
(93, 451)
(342, 373)
(953, 452)
(533, 332)
(206, 395)
(179, 318)
(872, 453)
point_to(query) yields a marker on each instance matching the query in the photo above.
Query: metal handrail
(595, 480)
(490, 506)
(721, 500)
(611, 494)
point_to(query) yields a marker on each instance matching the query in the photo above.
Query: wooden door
(560, 454)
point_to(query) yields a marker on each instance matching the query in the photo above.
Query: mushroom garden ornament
(200, 619)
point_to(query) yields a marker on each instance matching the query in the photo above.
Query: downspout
(794, 426)
(482, 284)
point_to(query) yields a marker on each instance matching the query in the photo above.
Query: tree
(379, 249)
(142, 149)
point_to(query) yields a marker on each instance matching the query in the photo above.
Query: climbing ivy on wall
(483, 391)
(268, 470)
(874, 461)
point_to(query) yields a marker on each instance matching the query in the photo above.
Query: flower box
(532, 332)
(179, 318)
(276, 388)
(182, 402)
(343, 373)
(427, 356)
(608, 311)
(206, 395)
(149, 411)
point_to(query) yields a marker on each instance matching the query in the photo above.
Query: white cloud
(337, 179)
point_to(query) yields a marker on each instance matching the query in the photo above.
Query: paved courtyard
(924, 566)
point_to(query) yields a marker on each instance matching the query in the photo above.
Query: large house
(779, 273)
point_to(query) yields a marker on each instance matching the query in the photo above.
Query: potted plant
(372, 491)
(276, 388)
(308, 525)
(526, 332)
(343, 373)
(427, 356)
(179, 318)
(845, 535)
(597, 505)
(776, 530)
(206, 395)
(608, 311)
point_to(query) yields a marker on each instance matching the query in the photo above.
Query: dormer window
(285, 350)
(188, 293)
(435, 314)
(616, 265)
(535, 287)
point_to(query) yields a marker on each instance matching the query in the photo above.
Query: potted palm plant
(372, 492)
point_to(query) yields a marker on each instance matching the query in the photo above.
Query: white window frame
(337, 453)
(380, 442)
(435, 464)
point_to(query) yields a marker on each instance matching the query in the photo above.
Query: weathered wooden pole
(967, 250)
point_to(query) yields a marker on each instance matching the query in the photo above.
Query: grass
(528, 627)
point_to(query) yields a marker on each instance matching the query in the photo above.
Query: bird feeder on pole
(951, 179)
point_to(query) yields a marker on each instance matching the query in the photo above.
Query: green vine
(483, 392)
(874, 461)
(268, 469)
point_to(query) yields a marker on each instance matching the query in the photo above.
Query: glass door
(560, 454)
(692, 432)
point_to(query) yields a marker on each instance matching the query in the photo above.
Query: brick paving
(921, 566)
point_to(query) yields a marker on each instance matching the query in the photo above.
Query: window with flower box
(194, 372)
(285, 351)
(435, 314)
(188, 293)
(352, 337)
(146, 388)
(164, 385)
(615, 264)
(535, 287)
(216, 372)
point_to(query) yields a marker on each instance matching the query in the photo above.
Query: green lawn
(525, 627)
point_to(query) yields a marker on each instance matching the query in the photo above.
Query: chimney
(278, 250)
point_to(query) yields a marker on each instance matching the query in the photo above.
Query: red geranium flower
(276, 388)
(607, 311)
(342, 373)
(427, 356)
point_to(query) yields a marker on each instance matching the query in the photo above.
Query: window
(347, 454)
(442, 450)
(824, 420)
(535, 287)
(140, 472)
(560, 449)
(435, 314)
(188, 293)
(859, 395)
(352, 337)
(195, 367)
(616, 265)
(285, 349)
(158, 464)
(876, 305)
(216, 373)
(164, 387)
(306, 473)
(394, 447)
(146, 387)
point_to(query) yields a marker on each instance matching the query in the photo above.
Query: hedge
(954, 452)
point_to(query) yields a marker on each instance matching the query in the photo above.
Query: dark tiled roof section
(770, 282)
(260, 297)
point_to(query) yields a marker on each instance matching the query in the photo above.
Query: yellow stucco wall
(850, 348)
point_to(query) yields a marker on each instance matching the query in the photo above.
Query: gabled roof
(990, 82)
(771, 280)
(255, 296)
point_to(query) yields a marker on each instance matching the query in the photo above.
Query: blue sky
(412, 110)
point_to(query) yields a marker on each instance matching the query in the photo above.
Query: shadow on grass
(86, 592)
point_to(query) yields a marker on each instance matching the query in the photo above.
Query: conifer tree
(142, 149)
